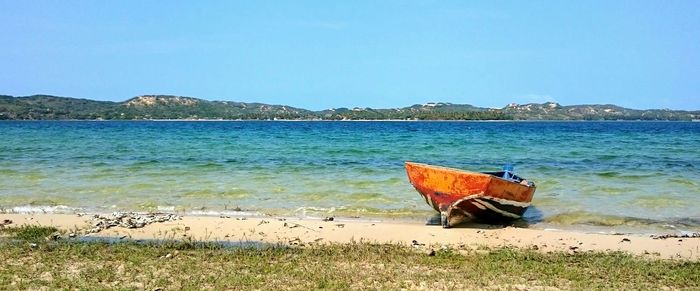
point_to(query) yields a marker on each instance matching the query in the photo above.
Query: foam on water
(31, 209)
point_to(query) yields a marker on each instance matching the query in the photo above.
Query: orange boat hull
(462, 195)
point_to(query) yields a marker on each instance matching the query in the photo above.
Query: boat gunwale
(461, 171)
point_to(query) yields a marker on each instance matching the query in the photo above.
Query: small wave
(223, 212)
(209, 165)
(659, 202)
(32, 209)
(405, 213)
(146, 163)
(234, 193)
(312, 209)
(366, 197)
(608, 174)
(595, 219)
(9, 172)
(683, 181)
(607, 157)
(165, 208)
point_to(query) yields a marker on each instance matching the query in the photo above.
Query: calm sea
(609, 175)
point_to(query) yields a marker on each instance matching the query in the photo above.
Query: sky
(380, 54)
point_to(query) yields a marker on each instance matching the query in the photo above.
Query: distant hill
(46, 107)
(554, 111)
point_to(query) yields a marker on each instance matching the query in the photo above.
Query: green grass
(198, 265)
(32, 233)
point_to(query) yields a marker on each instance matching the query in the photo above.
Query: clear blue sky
(380, 54)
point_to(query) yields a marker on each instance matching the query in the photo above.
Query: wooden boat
(463, 195)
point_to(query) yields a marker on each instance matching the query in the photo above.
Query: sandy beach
(295, 231)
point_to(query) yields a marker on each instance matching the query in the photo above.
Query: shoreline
(360, 120)
(308, 231)
(660, 228)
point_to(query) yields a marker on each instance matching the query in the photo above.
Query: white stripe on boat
(466, 213)
(468, 198)
(507, 202)
(429, 201)
(494, 209)
(477, 204)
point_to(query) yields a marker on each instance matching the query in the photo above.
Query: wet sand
(295, 231)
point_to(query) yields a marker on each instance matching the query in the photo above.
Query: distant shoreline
(330, 120)
(168, 107)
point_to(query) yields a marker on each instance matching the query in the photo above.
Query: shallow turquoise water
(605, 174)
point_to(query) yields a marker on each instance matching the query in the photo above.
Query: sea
(612, 176)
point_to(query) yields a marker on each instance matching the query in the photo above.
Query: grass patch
(31, 233)
(80, 265)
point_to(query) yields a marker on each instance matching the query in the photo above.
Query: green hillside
(46, 107)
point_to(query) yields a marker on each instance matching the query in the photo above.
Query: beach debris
(263, 222)
(340, 225)
(625, 240)
(295, 225)
(72, 235)
(415, 243)
(6, 222)
(129, 220)
(685, 235)
(33, 245)
(431, 253)
(167, 256)
(330, 218)
(574, 249)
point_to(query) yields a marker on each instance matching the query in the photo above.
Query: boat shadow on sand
(531, 216)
